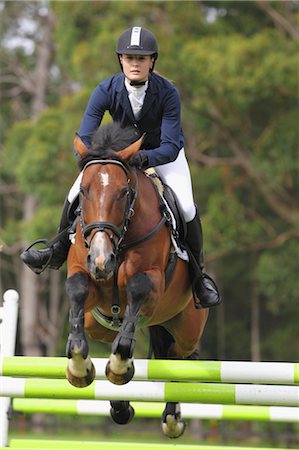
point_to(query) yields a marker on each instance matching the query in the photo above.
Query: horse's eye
(123, 193)
(83, 191)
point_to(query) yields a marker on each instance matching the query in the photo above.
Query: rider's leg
(177, 175)
(36, 259)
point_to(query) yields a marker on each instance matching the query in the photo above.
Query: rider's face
(136, 67)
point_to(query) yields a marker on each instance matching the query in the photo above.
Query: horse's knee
(139, 286)
(77, 287)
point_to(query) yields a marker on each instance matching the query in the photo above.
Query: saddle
(176, 222)
(168, 202)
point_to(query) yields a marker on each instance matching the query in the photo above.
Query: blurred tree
(236, 66)
(26, 80)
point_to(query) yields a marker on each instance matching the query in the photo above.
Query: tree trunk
(255, 326)
(29, 296)
(220, 319)
(29, 281)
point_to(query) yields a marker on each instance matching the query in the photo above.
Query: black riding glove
(140, 160)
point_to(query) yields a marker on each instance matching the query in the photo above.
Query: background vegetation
(236, 66)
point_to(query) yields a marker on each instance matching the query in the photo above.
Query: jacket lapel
(149, 97)
(123, 99)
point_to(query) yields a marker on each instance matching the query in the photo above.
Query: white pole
(8, 332)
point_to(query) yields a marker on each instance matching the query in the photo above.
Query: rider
(140, 97)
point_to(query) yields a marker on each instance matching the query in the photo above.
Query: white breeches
(75, 189)
(175, 174)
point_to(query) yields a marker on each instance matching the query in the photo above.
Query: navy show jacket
(160, 117)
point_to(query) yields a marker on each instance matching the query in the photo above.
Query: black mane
(107, 141)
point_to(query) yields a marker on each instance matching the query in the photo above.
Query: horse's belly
(96, 331)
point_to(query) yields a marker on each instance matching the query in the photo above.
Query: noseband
(108, 226)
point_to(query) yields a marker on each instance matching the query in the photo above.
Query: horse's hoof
(122, 412)
(172, 427)
(83, 381)
(119, 379)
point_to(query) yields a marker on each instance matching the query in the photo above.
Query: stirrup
(50, 246)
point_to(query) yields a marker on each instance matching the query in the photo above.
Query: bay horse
(116, 272)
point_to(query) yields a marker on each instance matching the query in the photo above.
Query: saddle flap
(171, 201)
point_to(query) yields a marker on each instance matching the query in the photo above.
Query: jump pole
(153, 391)
(79, 445)
(166, 370)
(154, 410)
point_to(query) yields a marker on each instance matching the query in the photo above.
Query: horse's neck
(147, 207)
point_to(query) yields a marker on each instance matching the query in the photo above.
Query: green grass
(211, 432)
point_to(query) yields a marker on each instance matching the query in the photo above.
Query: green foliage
(14, 143)
(277, 277)
(228, 227)
(44, 224)
(279, 141)
(238, 79)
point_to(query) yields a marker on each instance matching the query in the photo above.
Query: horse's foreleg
(120, 367)
(80, 370)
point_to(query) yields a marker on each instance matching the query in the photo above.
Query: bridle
(108, 227)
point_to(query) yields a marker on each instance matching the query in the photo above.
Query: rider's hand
(140, 160)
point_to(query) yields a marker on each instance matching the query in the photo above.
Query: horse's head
(107, 194)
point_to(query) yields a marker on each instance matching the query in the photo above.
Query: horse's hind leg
(172, 424)
(80, 370)
(120, 367)
(121, 412)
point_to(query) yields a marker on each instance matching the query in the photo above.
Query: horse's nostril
(110, 263)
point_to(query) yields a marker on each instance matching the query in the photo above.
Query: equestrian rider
(140, 97)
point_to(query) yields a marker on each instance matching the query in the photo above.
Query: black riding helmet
(137, 41)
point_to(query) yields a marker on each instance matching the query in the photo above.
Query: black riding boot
(203, 285)
(54, 256)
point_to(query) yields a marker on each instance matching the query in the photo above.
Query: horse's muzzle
(101, 268)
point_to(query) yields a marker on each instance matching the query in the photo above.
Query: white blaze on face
(104, 177)
(100, 242)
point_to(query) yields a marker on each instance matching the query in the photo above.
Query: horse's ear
(79, 145)
(128, 152)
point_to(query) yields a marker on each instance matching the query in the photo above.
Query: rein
(105, 227)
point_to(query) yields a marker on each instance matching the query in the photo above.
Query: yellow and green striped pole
(247, 394)
(155, 409)
(166, 370)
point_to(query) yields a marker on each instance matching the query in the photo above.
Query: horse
(116, 272)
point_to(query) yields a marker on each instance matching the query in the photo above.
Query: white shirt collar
(137, 91)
